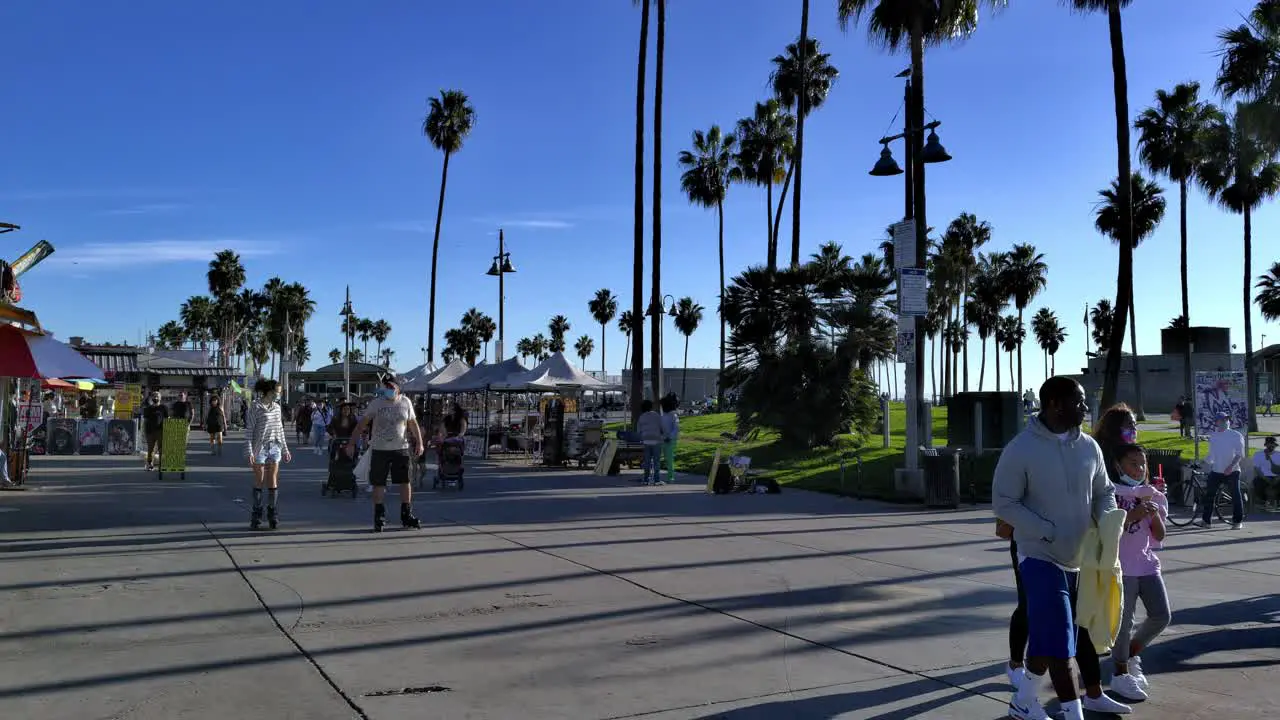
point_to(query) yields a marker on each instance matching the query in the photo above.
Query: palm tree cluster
(234, 321)
(364, 330)
(465, 342)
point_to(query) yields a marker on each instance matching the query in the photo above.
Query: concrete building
(701, 383)
(1162, 375)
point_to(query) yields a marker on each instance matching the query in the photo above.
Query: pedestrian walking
(215, 423)
(1226, 454)
(649, 427)
(153, 416)
(1050, 483)
(1144, 530)
(395, 433)
(182, 409)
(1268, 399)
(670, 434)
(266, 446)
(319, 426)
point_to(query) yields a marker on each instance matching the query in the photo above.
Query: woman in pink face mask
(1116, 428)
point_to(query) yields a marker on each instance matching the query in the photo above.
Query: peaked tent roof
(556, 371)
(480, 377)
(427, 369)
(429, 382)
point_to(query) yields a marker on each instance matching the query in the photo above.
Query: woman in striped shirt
(266, 446)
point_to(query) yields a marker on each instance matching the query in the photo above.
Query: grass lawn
(837, 469)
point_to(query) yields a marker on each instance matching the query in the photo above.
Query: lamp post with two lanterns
(501, 266)
(919, 152)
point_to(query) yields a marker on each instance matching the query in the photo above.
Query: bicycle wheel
(1182, 502)
(1223, 506)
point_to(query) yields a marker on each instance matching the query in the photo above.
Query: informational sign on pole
(913, 292)
(907, 344)
(904, 244)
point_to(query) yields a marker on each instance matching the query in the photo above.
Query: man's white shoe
(1127, 687)
(1033, 712)
(1135, 669)
(1015, 675)
(1104, 704)
(1237, 526)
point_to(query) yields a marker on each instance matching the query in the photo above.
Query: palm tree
(1147, 205)
(302, 351)
(802, 78)
(929, 325)
(987, 300)
(831, 271)
(1025, 275)
(1043, 324)
(1010, 334)
(387, 354)
(538, 347)
(688, 317)
(171, 335)
(603, 308)
(708, 170)
(225, 277)
(1124, 269)
(364, 329)
(198, 320)
(450, 119)
(655, 328)
(524, 348)
(963, 237)
(765, 142)
(584, 347)
(637, 263)
(1240, 173)
(559, 327)
(335, 356)
(626, 324)
(1170, 141)
(1101, 318)
(381, 330)
(1268, 298)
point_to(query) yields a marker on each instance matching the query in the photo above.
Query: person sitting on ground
(1050, 484)
(1266, 467)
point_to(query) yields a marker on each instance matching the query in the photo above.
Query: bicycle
(1186, 499)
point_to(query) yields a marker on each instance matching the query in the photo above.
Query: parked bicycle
(1186, 498)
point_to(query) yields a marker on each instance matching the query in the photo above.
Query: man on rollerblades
(395, 433)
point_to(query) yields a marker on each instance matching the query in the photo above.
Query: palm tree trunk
(964, 305)
(1133, 349)
(1124, 268)
(802, 108)
(684, 377)
(933, 368)
(602, 333)
(1250, 379)
(982, 366)
(1046, 361)
(1186, 309)
(1053, 364)
(1020, 324)
(435, 256)
(1011, 386)
(997, 364)
(637, 262)
(782, 203)
(657, 320)
(771, 250)
(720, 307)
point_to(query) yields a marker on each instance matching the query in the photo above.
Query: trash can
(1166, 464)
(942, 478)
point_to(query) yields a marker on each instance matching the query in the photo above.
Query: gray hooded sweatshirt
(1049, 489)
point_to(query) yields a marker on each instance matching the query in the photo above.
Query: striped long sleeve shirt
(264, 424)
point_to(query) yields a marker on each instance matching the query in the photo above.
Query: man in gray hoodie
(1050, 484)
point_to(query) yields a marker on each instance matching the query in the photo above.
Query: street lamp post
(659, 309)
(919, 152)
(501, 266)
(347, 315)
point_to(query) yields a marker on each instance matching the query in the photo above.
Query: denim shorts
(269, 454)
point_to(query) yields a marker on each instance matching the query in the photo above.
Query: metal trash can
(941, 477)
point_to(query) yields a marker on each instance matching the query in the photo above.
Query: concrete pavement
(537, 594)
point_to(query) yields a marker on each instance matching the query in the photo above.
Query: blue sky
(142, 137)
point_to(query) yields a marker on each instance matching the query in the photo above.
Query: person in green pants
(670, 434)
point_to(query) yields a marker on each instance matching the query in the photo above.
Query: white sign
(913, 292)
(904, 244)
(907, 346)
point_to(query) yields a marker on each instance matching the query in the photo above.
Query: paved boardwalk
(559, 595)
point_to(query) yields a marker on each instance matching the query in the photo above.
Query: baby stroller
(449, 469)
(342, 476)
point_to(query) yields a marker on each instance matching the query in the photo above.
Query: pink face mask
(1129, 435)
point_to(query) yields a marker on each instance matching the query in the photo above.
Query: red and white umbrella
(27, 354)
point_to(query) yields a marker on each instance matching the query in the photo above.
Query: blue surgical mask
(387, 393)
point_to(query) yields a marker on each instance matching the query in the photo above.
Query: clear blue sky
(143, 136)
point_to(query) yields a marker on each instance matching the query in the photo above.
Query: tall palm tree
(450, 119)
(485, 329)
(364, 329)
(627, 324)
(1026, 275)
(765, 142)
(199, 320)
(963, 237)
(688, 317)
(524, 348)
(831, 271)
(987, 300)
(335, 356)
(1124, 269)
(386, 354)
(1010, 334)
(1042, 324)
(655, 327)
(171, 335)
(1268, 297)
(802, 78)
(558, 327)
(539, 345)
(603, 308)
(1147, 206)
(583, 348)
(381, 330)
(637, 263)
(1101, 318)
(225, 277)
(1170, 141)
(929, 325)
(1240, 173)
(708, 170)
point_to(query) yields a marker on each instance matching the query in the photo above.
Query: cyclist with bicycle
(1226, 453)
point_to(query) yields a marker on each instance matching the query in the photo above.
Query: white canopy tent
(481, 377)
(430, 381)
(425, 370)
(552, 373)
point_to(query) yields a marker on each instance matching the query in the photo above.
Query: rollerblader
(394, 434)
(266, 446)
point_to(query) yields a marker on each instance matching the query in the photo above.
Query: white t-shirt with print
(390, 418)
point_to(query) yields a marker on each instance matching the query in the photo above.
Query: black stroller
(342, 476)
(449, 469)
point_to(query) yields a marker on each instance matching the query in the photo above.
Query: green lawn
(843, 468)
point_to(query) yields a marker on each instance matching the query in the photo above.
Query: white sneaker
(1104, 704)
(1127, 687)
(1135, 669)
(1015, 675)
(1034, 712)
(1237, 526)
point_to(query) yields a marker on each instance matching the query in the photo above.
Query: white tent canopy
(552, 373)
(430, 380)
(481, 377)
(426, 370)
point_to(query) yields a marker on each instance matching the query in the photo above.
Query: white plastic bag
(361, 470)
